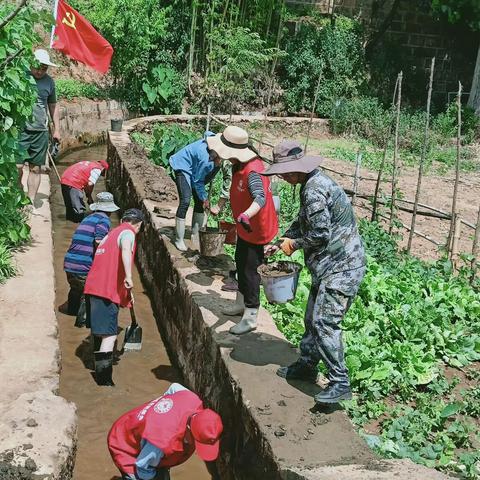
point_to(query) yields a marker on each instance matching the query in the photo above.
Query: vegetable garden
(412, 338)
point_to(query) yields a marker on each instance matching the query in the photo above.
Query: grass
(7, 268)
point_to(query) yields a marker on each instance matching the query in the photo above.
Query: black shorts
(102, 315)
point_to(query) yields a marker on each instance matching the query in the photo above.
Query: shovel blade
(133, 338)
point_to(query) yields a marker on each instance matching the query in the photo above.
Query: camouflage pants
(322, 340)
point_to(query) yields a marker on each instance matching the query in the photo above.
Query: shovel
(133, 333)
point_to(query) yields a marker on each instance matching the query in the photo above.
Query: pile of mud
(151, 178)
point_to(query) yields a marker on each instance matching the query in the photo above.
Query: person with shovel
(33, 139)
(194, 166)
(256, 220)
(79, 256)
(327, 233)
(150, 439)
(79, 178)
(108, 287)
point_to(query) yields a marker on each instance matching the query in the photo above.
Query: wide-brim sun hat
(206, 427)
(43, 57)
(232, 143)
(289, 157)
(104, 203)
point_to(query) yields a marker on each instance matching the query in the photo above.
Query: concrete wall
(271, 431)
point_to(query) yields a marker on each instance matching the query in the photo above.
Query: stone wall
(85, 122)
(271, 429)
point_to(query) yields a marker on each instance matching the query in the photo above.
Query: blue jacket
(194, 161)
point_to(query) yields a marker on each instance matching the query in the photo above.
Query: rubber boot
(104, 368)
(180, 234)
(236, 308)
(197, 224)
(81, 319)
(247, 323)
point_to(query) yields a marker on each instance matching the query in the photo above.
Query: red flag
(75, 37)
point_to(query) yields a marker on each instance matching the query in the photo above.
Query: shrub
(68, 89)
(445, 124)
(333, 51)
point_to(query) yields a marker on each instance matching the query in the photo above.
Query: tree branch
(11, 57)
(13, 14)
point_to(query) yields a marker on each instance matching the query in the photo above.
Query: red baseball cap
(206, 427)
(104, 164)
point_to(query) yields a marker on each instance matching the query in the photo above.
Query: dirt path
(139, 376)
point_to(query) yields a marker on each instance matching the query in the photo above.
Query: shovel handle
(132, 312)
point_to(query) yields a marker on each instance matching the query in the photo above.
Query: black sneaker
(334, 393)
(298, 371)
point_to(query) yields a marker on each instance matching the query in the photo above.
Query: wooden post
(384, 159)
(395, 153)
(356, 178)
(456, 238)
(315, 98)
(425, 151)
(475, 249)
(457, 163)
(209, 116)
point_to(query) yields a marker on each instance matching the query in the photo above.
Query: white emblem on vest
(164, 405)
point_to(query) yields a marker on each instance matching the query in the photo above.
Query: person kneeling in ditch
(326, 230)
(194, 166)
(147, 441)
(79, 256)
(256, 220)
(108, 286)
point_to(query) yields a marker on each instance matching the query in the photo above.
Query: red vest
(162, 422)
(77, 175)
(265, 222)
(107, 275)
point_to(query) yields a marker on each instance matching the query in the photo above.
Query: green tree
(17, 96)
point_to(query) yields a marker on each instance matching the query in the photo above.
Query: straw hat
(232, 143)
(289, 157)
(104, 203)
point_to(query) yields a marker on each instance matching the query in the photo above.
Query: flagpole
(55, 11)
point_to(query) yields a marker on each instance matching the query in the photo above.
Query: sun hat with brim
(206, 427)
(104, 203)
(43, 57)
(232, 143)
(289, 157)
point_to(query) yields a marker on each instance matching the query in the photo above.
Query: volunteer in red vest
(147, 441)
(78, 178)
(257, 224)
(108, 287)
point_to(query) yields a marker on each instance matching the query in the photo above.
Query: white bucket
(280, 280)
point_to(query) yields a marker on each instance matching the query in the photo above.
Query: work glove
(244, 221)
(288, 246)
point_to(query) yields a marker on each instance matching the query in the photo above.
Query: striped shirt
(79, 256)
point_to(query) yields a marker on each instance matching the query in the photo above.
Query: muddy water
(139, 376)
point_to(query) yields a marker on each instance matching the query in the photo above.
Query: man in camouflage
(326, 230)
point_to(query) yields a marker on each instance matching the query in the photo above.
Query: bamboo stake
(315, 98)
(475, 249)
(395, 153)
(209, 115)
(358, 162)
(457, 163)
(425, 150)
(384, 158)
(456, 238)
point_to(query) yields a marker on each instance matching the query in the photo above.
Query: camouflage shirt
(326, 228)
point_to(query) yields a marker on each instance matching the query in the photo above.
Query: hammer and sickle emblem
(71, 19)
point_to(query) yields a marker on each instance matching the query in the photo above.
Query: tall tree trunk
(474, 98)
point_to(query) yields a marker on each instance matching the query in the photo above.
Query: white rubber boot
(197, 224)
(180, 234)
(236, 308)
(247, 323)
